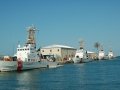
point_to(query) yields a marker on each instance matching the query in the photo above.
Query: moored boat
(27, 56)
(79, 56)
(101, 54)
(110, 54)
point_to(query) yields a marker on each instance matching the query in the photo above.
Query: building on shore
(60, 52)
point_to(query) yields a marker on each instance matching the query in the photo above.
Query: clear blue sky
(60, 22)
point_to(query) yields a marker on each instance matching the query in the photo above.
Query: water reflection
(25, 81)
(29, 80)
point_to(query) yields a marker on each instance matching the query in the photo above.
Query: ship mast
(31, 35)
(81, 44)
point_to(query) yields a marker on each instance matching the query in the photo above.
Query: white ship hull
(8, 65)
(34, 65)
(76, 60)
(12, 65)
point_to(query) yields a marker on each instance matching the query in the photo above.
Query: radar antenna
(81, 42)
(31, 35)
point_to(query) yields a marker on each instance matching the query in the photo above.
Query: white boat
(79, 56)
(27, 56)
(101, 54)
(110, 54)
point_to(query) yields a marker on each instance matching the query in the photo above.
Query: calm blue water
(99, 75)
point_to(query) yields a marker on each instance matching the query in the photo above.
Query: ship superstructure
(28, 51)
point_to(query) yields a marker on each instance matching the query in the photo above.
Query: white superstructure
(110, 54)
(101, 54)
(27, 53)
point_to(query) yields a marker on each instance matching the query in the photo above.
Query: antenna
(81, 42)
